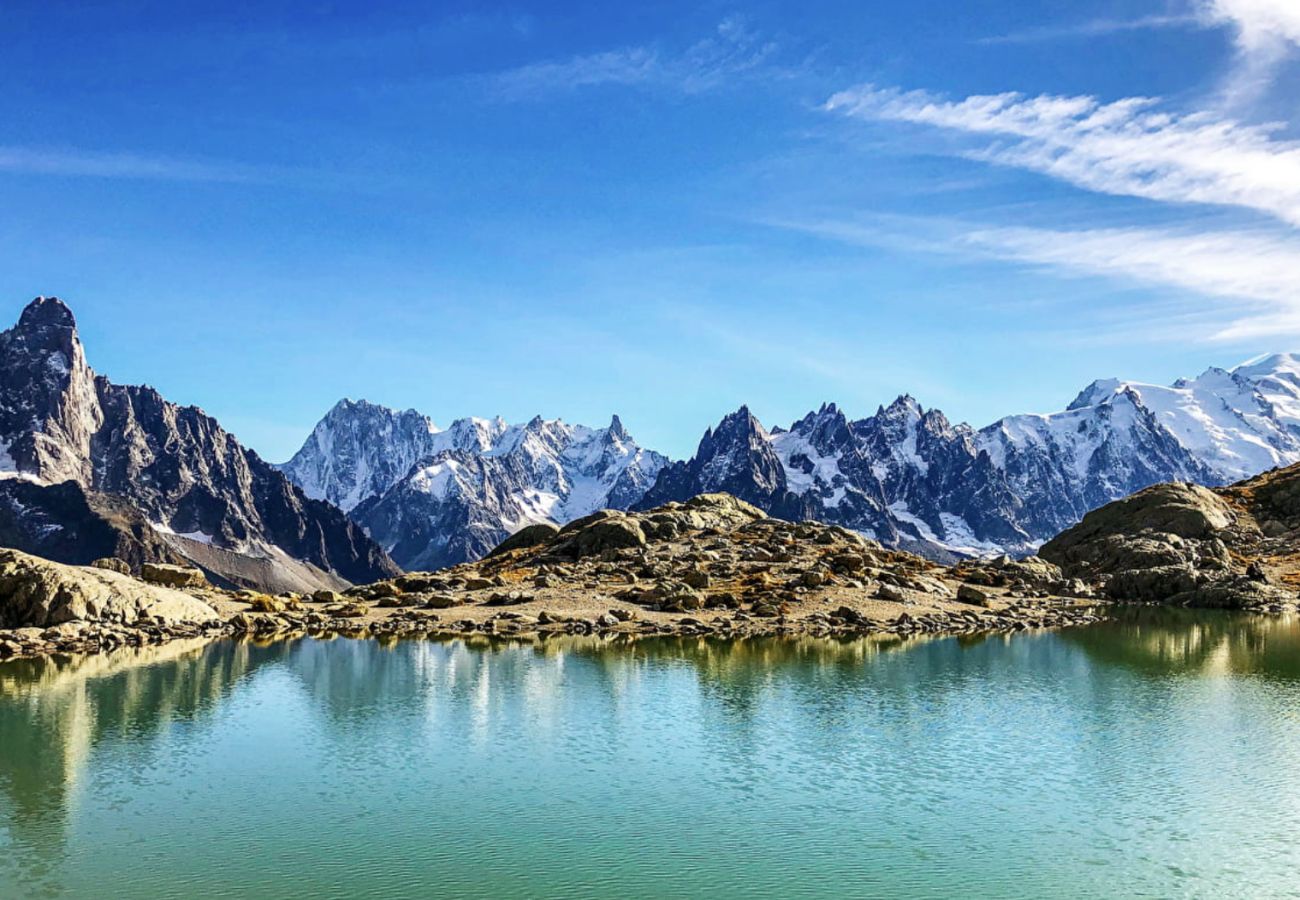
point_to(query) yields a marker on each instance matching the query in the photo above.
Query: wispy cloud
(1259, 270)
(1094, 28)
(732, 51)
(80, 162)
(1267, 32)
(1246, 278)
(95, 164)
(1129, 147)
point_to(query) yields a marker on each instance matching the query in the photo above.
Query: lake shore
(590, 615)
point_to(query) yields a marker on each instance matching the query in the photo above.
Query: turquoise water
(1159, 756)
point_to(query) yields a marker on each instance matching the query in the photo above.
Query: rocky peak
(903, 408)
(739, 431)
(173, 470)
(616, 431)
(49, 407)
(47, 312)
(1094, 393)
(826, 430)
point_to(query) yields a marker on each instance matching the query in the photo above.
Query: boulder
(173, 576)
(35, 592)
(1156, 584)
(608, 534)
(891, 593)
(528, 536)
(112, 564)
(440, 601)
(1165, 517)
(968, 593)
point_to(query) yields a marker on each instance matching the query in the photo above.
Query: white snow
(826, 469)
(1238, 423)
(197, 536)
(437, 480)
(9, 468)
(960, 537)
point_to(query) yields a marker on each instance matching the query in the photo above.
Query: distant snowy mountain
(361, 449)
(1120, 436)
(436, 497)
(909, 478)
(905, 475)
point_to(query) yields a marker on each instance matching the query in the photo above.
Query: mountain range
(89, 468)
(435, 497)
(904, 475)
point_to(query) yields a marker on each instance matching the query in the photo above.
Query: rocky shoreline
(77, 638)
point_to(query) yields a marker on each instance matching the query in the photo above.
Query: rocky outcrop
(714, 565)
(97, 469)
(528, 536)
(1186, 545)
(37, 593)
(716, 552)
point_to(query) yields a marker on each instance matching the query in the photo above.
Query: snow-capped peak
(398, 473)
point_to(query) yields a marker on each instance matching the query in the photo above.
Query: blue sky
(661, 210)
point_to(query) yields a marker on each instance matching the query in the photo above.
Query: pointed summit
(616, 430)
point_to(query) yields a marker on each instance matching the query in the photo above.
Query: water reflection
(1165, 641)
(55, 712)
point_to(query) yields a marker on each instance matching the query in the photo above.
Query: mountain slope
(1118, 437)
(204, 496)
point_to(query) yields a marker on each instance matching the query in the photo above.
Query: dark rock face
(450, 508)
(128, 450)
(736, 458)
(933, 472)
(62, 522)
(903, 476)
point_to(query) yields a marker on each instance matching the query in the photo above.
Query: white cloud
(1094, 28)
(1260, 270)
(77, 162)
(1129, 147)
(732, 51)
(1267, 32)
(1245, 281)
(1263, 26)
(1237, 284)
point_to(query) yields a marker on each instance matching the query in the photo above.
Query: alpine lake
(1157, 755)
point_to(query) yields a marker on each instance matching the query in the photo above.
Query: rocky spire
(49, 408)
